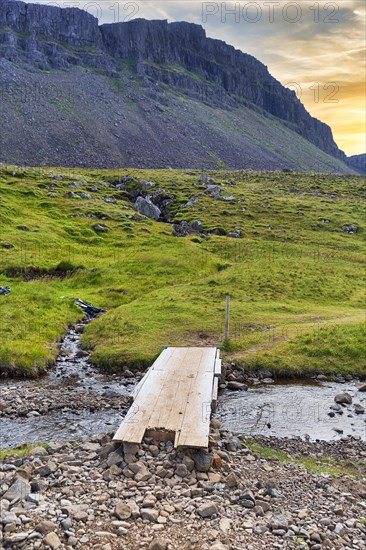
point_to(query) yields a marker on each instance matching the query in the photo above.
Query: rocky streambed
(310, 409)
(74, 400)
(101, 495)
(82, 490)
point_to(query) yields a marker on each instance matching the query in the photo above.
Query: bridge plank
(173, 400)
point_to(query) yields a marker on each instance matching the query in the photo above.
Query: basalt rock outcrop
(358, 163)
(165, 76)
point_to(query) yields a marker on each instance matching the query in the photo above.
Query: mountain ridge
(167, 60)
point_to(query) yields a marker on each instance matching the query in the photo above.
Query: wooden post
(227, 317)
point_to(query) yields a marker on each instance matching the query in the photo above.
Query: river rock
(122, 510)
(159, 544)
(52, 541)
(343, 398)
(19, 490)
(202, 460)
(359, 409)
(45, 527)
(207, 509)
(150, 514)
(236, 386)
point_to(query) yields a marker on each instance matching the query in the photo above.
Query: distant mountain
(358, 163)
(145, 93)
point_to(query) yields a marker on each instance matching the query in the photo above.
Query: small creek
(282, 409)
(292, 410)
(72, 373)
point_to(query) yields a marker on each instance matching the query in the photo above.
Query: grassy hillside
(295, 277)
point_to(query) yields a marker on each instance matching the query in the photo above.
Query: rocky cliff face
(177, 55)
(358, 163)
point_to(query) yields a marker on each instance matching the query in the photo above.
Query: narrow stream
(290, 410)
(73, 376)
(92, 403)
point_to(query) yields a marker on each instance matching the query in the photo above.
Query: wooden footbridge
(174, 399)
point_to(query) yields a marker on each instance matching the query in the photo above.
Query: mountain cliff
(147, 93)
(358, 163)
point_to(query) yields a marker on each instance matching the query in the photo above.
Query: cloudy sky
(314, 47)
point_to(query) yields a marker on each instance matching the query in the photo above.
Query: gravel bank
(97, 494)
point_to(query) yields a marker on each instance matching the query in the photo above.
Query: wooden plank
(209, 359)
(136, 420)
(157, 365)
(173, 400)
(194, 429)
(168, 394)
(217, 371)
(215, 392)
(196, 423)
(185, 380)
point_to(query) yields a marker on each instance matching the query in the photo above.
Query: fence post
(227, 317)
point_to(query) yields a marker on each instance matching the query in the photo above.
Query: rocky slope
(145, 93)
(358, 162)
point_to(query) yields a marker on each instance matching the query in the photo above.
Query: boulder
(147, 208)
(343, 398)
(19, 490)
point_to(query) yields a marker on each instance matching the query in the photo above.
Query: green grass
(21, 451)
(296, 283)
(321, 465)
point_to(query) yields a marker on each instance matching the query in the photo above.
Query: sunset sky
(315, 48)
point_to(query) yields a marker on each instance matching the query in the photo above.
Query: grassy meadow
(295, 277)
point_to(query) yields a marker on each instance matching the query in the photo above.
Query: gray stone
(147, 208)
(207, 509)
(122, 510)
(202, 460)
(343, 398)
(19, 490)
(159, 544)
(16, 538)
(45, 527)
(236, 386)
(115, 458)
(100, 228)
(181, 470)
(247, 499)
(8, 518)
(52, 541)
(150, 514)
(146, 185)
(350, 228)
